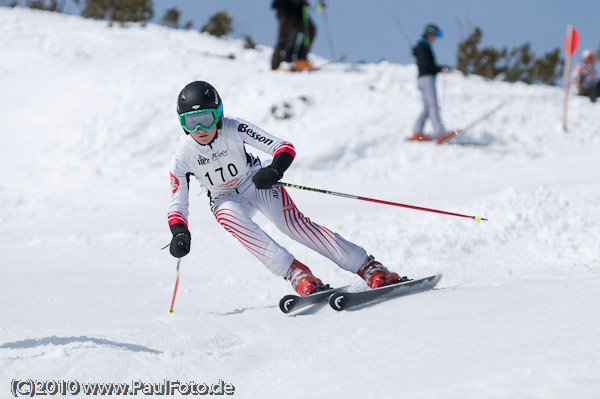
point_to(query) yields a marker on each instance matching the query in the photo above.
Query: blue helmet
(432, 29)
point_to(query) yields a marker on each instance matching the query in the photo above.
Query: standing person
(214, 152)
(585, 76)
(296, 34)
(428, 69)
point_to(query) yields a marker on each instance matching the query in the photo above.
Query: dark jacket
(425, 58)
(290, 7)
(291, 23)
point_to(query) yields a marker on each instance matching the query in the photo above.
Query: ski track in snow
(88, 119)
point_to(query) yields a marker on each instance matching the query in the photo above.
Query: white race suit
(226, 169)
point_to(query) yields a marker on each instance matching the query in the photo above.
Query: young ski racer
(213, 150)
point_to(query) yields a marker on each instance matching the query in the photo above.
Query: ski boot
(303, 65)
(302, 279)
(376, 275)
(420, 137)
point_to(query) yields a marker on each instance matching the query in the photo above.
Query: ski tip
(337, 301)
(285, 304)
(448, 136)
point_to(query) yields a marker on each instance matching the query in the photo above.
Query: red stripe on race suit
(285, 147)
(292, 214)
(220, 216)
(177, 217)
(228, 225)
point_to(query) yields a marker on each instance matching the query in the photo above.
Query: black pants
(290, 46)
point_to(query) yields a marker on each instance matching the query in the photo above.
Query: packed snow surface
(88, 123)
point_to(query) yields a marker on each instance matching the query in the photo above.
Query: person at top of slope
(585, 76)
(213, 150)
(295, 36)
(428, 69)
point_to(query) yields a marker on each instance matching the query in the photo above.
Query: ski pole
(321, 9)
(306, 23)
(176, 285)
(443, 94)
(485, 116)
(318, 190)
(488, 114)
(401, 27)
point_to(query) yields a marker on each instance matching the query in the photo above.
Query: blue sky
(370, 30)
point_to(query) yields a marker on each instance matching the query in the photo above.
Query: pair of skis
(316, 67)
(340, 299)
(448, 136)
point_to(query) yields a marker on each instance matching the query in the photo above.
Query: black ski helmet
(199, 95)
(432, 29)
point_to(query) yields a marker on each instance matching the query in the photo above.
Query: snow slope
(87, 124)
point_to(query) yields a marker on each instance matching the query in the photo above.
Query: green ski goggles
(204, 119)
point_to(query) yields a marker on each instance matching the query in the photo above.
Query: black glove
(266, 177)
(181, 241)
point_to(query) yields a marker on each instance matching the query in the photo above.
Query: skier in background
(585, 76)
(296, 34)
(213, 150)
(428, 69)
